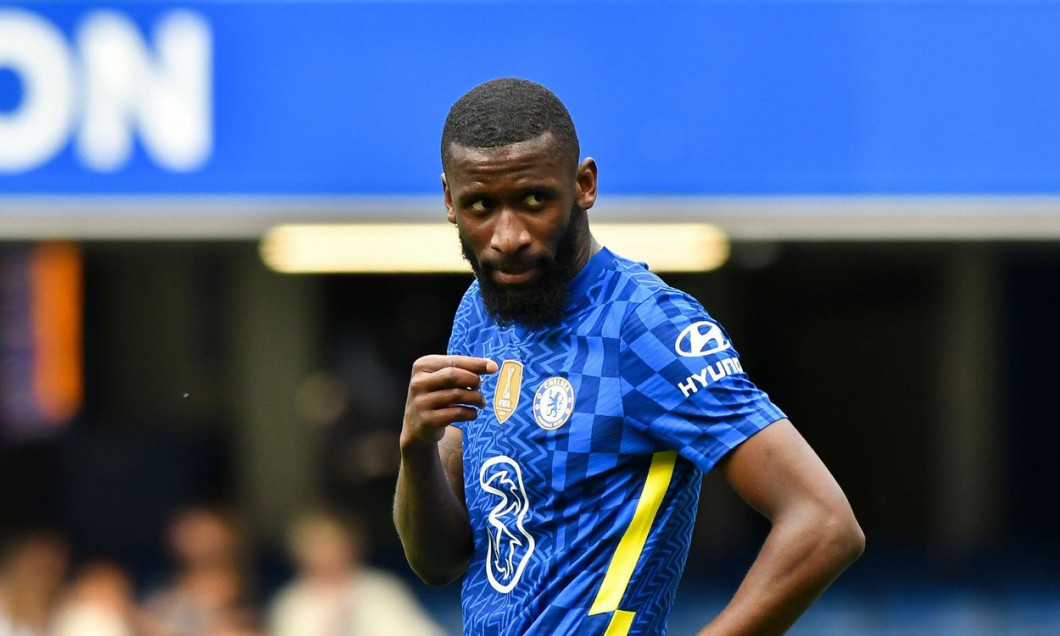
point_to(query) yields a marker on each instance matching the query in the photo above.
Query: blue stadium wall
(337, 99)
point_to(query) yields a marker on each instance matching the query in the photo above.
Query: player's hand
(443, 390)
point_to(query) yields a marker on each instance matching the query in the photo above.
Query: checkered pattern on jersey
(719, 407)
(549, 507)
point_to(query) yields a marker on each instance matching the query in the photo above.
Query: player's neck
(585, 252)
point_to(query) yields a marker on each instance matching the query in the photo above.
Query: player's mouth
(515, 276)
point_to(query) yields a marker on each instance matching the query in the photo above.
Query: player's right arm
(429, 509)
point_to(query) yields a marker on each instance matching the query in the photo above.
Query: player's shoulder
(466, 322)
(471, 307)
(471, 294)
(648, 294)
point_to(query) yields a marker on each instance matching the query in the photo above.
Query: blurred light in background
(41, 377)
(56, 291)
(433, 247)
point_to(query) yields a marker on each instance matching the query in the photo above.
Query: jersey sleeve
(682, 382)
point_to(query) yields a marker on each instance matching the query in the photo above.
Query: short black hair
(506, 111)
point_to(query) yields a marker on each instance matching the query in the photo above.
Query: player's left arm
(814, 534)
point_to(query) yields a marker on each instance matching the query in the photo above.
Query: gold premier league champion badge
(553, 403)
(509, 383)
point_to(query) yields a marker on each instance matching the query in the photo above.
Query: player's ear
(450, 212)
(585, 181)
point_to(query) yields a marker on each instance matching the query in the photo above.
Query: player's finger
(448, 415)
(447, 397)
(477, 366)
(442, 379)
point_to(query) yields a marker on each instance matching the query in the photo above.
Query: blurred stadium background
(872, 191)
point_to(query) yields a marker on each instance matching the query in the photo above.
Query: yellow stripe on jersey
(620, 623)
(631, 544)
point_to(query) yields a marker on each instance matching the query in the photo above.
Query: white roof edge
(744, 218)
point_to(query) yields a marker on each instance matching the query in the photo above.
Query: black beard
(537, 304)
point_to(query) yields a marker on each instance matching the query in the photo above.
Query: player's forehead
(537, 158)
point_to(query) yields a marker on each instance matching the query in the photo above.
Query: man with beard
(553, 457)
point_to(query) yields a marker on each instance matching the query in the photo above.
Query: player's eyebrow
(547, 191)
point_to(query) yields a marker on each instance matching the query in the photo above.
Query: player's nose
(510, 234)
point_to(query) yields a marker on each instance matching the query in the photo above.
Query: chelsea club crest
(553, 403)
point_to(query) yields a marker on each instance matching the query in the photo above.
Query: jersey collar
(584, 280)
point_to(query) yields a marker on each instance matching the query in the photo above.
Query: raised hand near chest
(443, 389)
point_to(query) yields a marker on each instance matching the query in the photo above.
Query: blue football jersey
(582, 473)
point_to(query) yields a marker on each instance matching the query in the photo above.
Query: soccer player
(553, 457)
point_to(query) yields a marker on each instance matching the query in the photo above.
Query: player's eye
(478, 205)
(534, 200)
